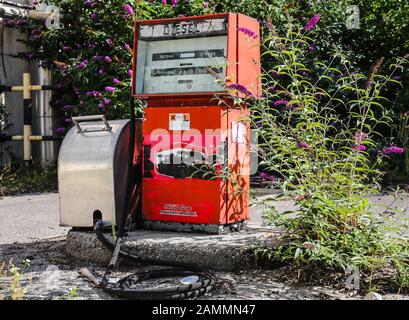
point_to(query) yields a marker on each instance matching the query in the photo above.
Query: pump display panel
(182, 57)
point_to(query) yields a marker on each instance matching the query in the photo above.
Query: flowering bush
(93, 49)
(316, 123)
(91, 56)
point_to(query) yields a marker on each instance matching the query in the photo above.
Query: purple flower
(83, 64)
(130, 72)
(174, 3)
(116, 81)
(67, 107)
(164, 2)
(312, 22)
(67, 120)
(110, 89)
(60, 130)
(248, 32)
(98, 58)
(10, 23)
(312, 47)
(89, 3)
(66, 48)
(91, 45)
(107, 59)
(93, 94)
(127, 46)
(303, 145)
(93, 15)
(360, 136)
(128, 8)
(206, 4)
(271, 89)
(240, 88)
(266, 176)
(101, 105)
(109, 41)
(21, 22)
(101, 71)
(359, 147)
(106, 101)
(281, 102)
(393, 149)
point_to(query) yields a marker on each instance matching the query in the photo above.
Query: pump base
(193, 227)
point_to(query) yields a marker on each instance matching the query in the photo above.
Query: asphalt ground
(33, 217)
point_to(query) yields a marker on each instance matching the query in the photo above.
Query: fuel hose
(192, 280)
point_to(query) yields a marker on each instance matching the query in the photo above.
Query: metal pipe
(4, 138)
(28, 117)
(45, 117)
(9, 9)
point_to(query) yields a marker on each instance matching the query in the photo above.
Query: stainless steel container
(93, 170)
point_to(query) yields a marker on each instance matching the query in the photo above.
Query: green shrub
(317, 123)
(27, 176)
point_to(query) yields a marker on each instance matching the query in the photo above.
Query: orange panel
(248, 73)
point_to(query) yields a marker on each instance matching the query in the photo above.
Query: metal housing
(93, 171)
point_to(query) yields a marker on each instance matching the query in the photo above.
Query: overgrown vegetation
(10, 278)
(27, 176)
(317, 123)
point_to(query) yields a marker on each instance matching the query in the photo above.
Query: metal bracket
(101, 117)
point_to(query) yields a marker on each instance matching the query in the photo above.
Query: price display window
(182, 57)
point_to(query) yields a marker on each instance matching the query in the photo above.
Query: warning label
(178, 210)
(178, 213)
(179, 121)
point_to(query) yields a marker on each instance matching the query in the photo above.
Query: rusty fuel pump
(187, 161)
(196, 145)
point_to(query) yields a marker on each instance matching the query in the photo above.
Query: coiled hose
(206, 278)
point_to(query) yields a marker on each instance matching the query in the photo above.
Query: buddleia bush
(316, 123)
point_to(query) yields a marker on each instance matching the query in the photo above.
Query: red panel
(232, 58)
(249, 55)
(188, 199)
(182, 197)
(239, 163)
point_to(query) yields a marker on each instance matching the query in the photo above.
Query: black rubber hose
(206, 283)
(130, 182)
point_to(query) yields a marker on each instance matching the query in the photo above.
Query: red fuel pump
(196, 143)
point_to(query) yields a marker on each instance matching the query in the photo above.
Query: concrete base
(227, 252)
(193, 227)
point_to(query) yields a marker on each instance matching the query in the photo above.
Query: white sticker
(239, 132)
(179, 121)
